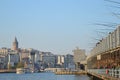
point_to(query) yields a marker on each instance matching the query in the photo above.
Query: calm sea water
(41, 76)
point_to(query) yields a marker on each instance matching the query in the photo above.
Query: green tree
(20, 65)
(9, 66)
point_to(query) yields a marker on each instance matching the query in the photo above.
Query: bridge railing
(107, 72)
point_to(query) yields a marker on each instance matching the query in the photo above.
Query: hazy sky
(57, 26)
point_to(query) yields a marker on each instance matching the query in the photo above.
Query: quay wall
(8, 71)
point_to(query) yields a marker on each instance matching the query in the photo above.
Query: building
(24, 55)
(15, 44)
(4, 51)
(13, 58)
(60, 60)
(48, 59)
(10, 57)
(37, 56)
(69, 62)
(79, 55)
(3, 62)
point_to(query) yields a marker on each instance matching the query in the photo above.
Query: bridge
(104, 58)
(105, 74)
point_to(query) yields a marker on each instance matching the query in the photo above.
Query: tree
(20, 65)
(9, 66)
(116, 6)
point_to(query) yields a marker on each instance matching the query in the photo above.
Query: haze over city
(52, 25)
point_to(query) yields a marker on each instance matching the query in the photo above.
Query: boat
(23, 70)
(28, 70)
(20, 71)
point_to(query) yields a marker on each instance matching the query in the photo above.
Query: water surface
(41, 76)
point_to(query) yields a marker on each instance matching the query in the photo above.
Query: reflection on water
(41, 76)
(81, 77)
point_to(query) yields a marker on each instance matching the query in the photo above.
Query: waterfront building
(13, 58)
(24, 55)
(3, 57)
(69, 62)
(60, 60)
(48, 59)
(37, 56)
(9, 56)
(3, 62)
(29, 54)
(31, 58)
(34, 55)
(4, 51)
(79, 55)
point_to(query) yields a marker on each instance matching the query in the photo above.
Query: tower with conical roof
(15, 44)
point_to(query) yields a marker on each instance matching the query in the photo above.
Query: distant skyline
(58, 26)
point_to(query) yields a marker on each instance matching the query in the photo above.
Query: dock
(71, 73)
(8, 71)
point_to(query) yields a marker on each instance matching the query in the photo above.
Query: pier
(7, 71)
(71, 73)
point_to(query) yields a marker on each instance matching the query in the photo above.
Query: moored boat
(23, 70)
(20, 71)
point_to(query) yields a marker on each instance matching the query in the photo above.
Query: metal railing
(107, 72)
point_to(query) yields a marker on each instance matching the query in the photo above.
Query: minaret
(15, 44)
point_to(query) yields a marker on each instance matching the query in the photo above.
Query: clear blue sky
(57, 26)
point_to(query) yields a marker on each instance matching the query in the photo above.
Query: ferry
(20, 71)
(24, 70)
